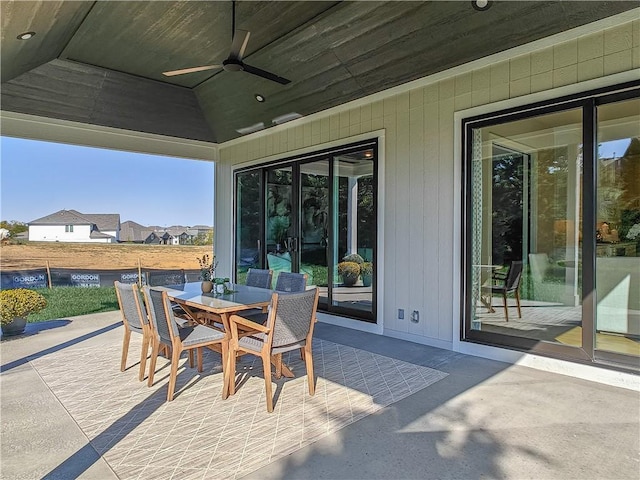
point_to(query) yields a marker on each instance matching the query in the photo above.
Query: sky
(40, 178)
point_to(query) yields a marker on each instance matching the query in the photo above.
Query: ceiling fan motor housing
(232, 65)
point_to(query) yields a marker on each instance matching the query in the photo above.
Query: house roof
(103, 221)
(98, 234)
(63, 217)
(133, 232)
(104, 61)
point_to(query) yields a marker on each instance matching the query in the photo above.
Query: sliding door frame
(588, 103)
(295, 162)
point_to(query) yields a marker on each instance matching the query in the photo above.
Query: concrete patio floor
(483, 419)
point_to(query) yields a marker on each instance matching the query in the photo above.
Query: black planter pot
(349, 280)
(15, 327)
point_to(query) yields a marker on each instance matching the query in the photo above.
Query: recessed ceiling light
(25, 35)
(253, 128)
(368, 154)
(259, 98)
(287, 117)
(481, 5)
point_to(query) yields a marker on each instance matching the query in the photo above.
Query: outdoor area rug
(199, 435)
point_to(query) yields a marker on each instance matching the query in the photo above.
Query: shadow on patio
(465, 417)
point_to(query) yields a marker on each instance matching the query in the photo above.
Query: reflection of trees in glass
(507, 197)
(366, 218)
(278, 205)
(366, 213)
(315, 207)
(249, 209)
(551, 196)
(619, 189)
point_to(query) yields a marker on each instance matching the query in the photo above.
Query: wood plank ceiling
(101, 62)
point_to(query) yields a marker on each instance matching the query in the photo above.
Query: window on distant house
(68, 228)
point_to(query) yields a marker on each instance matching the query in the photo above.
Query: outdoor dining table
(240, 298)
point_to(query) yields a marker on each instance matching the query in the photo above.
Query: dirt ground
(102, 256)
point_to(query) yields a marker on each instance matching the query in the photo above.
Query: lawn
(63, 302)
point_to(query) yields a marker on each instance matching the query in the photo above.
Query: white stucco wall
(420, 125)
(57, 233)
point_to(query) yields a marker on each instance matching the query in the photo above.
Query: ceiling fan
(234, 62)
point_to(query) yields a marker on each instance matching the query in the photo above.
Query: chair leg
(175, 359)
(302, 353)
(518, 303)
(266, 363)
(191, 358)
(226, 360)
(308, 360)
(155, 347)
(278, 363)
(506, 311)
(199, 359)
(231, 364)
(143, 356)
(125, 349)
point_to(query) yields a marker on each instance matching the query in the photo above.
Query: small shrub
(348, 269)
(19, 303)
(366, 268)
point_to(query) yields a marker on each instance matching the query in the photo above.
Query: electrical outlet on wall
(401, 313)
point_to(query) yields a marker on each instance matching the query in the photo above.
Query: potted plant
(15, 306)
(207, 272)
(349, 271)
(366, 271)
(353, 257)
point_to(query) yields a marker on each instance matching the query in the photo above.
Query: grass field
(65, 302)
(100, 256)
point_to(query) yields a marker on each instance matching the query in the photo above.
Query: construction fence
(64, 277)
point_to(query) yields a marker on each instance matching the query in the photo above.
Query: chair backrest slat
(513, 277)
(131, 304)
(291, 282)
(259, 278)
(162, 318)
(294, 315)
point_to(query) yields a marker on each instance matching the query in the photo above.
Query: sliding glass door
(552, 229)
(314, 215)
(618, 228)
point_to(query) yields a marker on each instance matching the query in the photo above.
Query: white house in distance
(73, 226)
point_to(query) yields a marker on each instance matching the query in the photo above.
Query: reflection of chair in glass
(282, 263)
(188, 338)
(289, 327)
(291, 282)
(134, 319)
(287, 282)
(259, 278)
(506, 283)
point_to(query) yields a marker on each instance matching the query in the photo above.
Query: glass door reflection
(314, 225)
(280, 221)
(618, 228)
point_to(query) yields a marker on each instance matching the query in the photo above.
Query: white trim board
(32, 127)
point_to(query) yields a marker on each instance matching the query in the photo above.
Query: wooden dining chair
(259, 278)
(134, 319)
(190, 337)
(289, 327)
(506, 283)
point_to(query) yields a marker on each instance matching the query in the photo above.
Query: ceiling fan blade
(190, 70)
(264, 74)
(239, 44)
